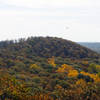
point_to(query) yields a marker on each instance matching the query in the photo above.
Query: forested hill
(45, 47)
(48, 68)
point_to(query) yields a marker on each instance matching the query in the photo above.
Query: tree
(65, 68)
(52, 61)
(73, 73)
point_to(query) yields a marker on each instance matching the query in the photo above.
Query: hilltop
(46, 47)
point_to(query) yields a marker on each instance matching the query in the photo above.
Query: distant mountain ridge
(92, 45)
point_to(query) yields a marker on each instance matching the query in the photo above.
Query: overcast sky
(76, 20)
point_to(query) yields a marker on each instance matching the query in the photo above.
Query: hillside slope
(48, 69)
(46, 47)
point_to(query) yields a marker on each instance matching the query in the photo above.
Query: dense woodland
(48, 68)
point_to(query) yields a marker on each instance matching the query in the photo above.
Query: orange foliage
(64, 68)
(73, 73)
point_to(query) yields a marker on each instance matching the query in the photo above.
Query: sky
(76, 20)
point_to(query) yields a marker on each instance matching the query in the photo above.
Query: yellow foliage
(64, 68)
(85, 73)
(51, 61)
(98, 67)
(81, 83)
(73, 73)
(34, 66)
(69, 69)
(94, 76)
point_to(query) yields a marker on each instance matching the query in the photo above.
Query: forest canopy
(48, 68)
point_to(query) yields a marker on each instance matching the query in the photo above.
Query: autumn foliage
(48, 69)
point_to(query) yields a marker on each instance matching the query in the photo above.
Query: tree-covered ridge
(40, 69)
(46, 47)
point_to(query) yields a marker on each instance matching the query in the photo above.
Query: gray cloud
(50, 18)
